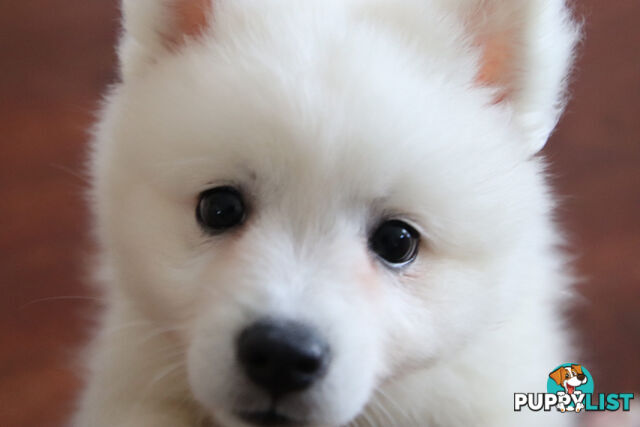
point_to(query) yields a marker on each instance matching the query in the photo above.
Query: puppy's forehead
(346, 119)
(333, 124)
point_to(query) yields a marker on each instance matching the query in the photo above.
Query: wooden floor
(57, 58)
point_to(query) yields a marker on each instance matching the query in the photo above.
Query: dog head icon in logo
(570, 379)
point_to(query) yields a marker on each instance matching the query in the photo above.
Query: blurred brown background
(57, 57)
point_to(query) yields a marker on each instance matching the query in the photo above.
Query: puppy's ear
(557, 375)
(525, 50)
(153, 27)
(577, 368)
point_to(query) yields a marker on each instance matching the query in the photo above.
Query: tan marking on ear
(558, 375)
(496, 34)
(578, 368)
(495, 64)
(190, 19)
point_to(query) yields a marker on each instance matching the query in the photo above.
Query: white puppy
(326, 212)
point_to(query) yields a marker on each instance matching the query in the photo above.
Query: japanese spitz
(329, 212)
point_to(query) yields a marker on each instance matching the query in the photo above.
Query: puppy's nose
(282, 356)
(581, 377)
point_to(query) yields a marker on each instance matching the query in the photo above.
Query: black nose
(282, 356)
(581, 377)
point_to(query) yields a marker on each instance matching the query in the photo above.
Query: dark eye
(220, 209)
(395, 241)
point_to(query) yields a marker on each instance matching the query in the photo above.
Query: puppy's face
(569, 377)
(311, 218)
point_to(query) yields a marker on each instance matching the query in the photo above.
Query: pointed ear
(154, 26)
(525, 52)
(557, 375)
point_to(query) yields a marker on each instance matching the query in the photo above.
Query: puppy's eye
(395, 241)
(219, 209)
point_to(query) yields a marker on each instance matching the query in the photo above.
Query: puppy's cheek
(447, 302)
(211, 358)
(383, 294)
(357, 366)
(417, 313)
(368, 280)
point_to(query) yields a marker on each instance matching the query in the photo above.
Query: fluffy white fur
(330, 115)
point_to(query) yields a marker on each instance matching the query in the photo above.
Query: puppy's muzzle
(282, 356)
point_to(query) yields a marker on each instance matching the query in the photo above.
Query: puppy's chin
(266, 417)
(224, 418)
(298, 411)
(235, 403)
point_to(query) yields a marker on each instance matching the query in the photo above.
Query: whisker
(60, 298)
(164, 374)
(401, 411)
(84, 178)
(384, 412)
